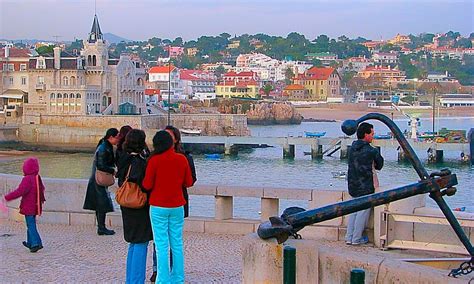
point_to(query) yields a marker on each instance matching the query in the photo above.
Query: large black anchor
(437, 184)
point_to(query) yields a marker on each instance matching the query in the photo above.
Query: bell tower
(95, 48)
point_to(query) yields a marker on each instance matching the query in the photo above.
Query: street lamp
(169, 91)
(415, 96)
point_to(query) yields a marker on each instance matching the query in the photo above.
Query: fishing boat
(212, 156)
(188, 131)
(339, 174)
(382, 136)
(314, 134)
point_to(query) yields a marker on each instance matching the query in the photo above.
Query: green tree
(177, 41)
(322, 43)
(463, 42)
(267, 89)
(390, 47)
(220, 70)
(289, 75)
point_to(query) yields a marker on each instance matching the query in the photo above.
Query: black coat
(136, 222)
(185, 190)
(361, 158)
(97, 197)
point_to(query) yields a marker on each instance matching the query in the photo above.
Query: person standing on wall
(97, 197)
(166, 174)
(176, 135)
(136, 222)
(362, 160)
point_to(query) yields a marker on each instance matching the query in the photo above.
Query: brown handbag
(130, 195)
(104, 178)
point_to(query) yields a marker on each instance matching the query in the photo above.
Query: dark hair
(162, 141)
(111, 132)
(177, 135)
(124, 130)
(135, 141)
(364, 128)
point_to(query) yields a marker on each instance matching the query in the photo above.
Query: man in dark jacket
(363, 160)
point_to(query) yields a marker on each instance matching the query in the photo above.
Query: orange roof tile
(319, 73)
(161, 69)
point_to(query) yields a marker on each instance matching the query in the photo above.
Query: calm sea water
(266, 167)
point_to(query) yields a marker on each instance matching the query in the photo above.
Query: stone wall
(209, 124)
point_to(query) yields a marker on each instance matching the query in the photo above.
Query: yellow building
(237, 89)
(323, 84)
(400, 40)
(192, 51)
(233, 44)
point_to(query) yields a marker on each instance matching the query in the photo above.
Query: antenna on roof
(56, 37)
(95, 7)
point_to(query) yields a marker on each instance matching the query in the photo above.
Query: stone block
(224, 207)
(196, 225)
(12, 182)
(114, 220)
(287, 193)
(262, 260)
(269, 207)
(322, 198)
(203, 189)
(63, 195)
(335, 265)
(232, 227)
(320, 232)
(393, 271)
(306, 261)
(54, 218)
(14, 214)
(242, 191)
(434, 233)
(82, 219)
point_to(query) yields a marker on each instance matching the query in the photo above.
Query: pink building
(174, 51)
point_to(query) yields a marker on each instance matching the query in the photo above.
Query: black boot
(101, 229)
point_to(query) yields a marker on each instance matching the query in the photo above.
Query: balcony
(40, 87)
(68, 87)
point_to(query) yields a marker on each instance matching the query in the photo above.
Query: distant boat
(212, 156)
(460, 209)
(315, 134)
(339, 174)
(382, 136)
(190, 131)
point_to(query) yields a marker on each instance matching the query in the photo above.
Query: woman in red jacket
(166, 174)
(31, 191)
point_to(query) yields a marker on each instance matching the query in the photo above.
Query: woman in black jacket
(136, 222)
(97, 196)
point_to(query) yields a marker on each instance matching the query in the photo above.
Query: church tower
(95, 48)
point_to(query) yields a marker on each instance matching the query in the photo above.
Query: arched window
(66, 96)
(65, 81)
(72, 96)
(94, 60)
(52, 96)
(89, 60)
(104, 101)
(78, 96)
(73, 81)
(60, 96)
(140, 82)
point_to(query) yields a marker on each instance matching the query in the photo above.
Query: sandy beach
(343, 112)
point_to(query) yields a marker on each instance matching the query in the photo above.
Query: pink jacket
(27, 189)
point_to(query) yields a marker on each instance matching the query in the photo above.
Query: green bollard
(357, 276)
(289, 265)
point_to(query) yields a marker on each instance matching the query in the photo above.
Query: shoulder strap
(128, 172)
(38, 198)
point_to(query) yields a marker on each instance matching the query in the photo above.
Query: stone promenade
(76, 254)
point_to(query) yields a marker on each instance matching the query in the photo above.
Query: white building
(166, 79)
(456, 100)
(385, 58)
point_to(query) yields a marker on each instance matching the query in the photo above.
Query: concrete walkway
(76, 254)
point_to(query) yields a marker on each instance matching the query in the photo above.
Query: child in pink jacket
(31, 191)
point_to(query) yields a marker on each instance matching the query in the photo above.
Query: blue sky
(143, 19)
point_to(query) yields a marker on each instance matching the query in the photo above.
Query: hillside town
(95, 77)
